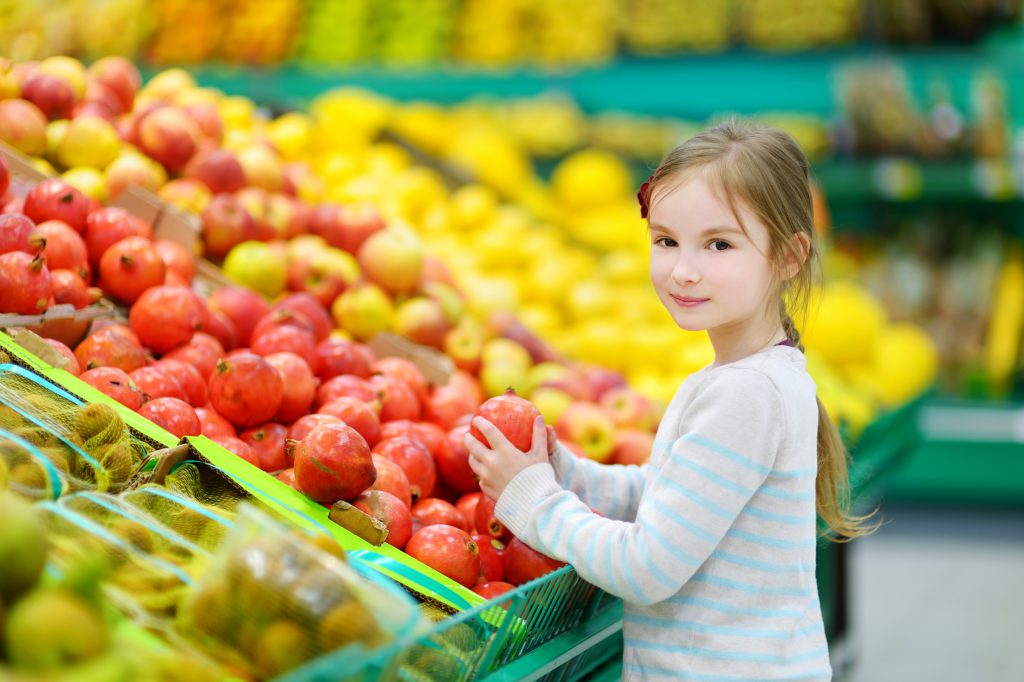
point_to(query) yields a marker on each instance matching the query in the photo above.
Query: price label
(897, 179)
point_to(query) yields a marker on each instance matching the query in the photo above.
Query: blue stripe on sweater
(782, 494)
(789, 519)
(671, 548)
(715, 478)
(645, 554)
(752, 588)
(749, 463)
(726, 607)
(768, 541)
(747, 656)
(756, 564)
(699, 532)
(704, 502)
(647, 670)
(765, 633)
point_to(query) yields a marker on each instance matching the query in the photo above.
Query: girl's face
(708, 273)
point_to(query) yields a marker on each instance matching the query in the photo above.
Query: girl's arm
(611, 490)
(730, 437)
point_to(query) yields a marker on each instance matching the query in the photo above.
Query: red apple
(464, 344)
(131, 168)
(207, 117)
(632, 447)
(53, 96)
(187, 195)
(421, 320)
(120, 75)
(629, 408)
(591, 427)
(392, 259)
(169, 136)
(218, 169)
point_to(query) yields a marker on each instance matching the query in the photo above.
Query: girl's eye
(666, 242)
(719, 245)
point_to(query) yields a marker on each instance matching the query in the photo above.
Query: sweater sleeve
(729, 438)
(611, 490)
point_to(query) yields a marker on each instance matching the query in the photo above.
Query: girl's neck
(735, 344)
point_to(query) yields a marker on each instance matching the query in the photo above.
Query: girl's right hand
(552, 441)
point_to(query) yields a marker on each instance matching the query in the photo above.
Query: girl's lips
(689, 301)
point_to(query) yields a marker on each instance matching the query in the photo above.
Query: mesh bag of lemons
(25, 472)
(270, 601)
(88, 443)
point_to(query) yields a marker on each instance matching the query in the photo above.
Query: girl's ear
(795, 261)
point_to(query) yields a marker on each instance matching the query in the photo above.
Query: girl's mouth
(689, 301)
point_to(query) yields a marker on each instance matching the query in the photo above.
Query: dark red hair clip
(643, 196)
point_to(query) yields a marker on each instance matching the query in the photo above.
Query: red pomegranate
(282, 317)
(287, 476)
(54, 199)
(347, 385)
(356, 414)
(267, 444)
(391, 511)
(492, 557)
(467, 507)
(449, 551)
(157, 382)
(414, 459)
(111, 346)
(490, 590)
(431, 511)
(65, 248)
(213, 425)
(486, 523)
(25, 285)
(107, 226)
(242, 306)
(391, 479)
(67, 287)
(245, 389)
(298, 385)
(447, 406)
(130, 267)
(237, 447)
(176, 416)
(166, 317)
(397, 398)
(336, 358)
(333, 463)
(404, 370)
(453, 463)
(115, 383)
(191, 380)
(176, 258)
(72, 362)
(303, 425)
(312, 309)
(286, 339)
(223, 329)
(513, 416)
(18, 233)
(523, 564)
(200, 355)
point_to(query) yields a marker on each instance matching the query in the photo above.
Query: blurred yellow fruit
(472, 206)
(844, 323)
(492, 158)
(591, 178)
(906, 363)
(88, 141)
(256, 265)
(551, 402)
(498, 376)
(290, 134)
(363, 311)
(237, 112)
(502, 350)
(608, 227)
(89, 181)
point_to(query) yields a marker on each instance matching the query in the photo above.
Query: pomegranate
(397, 399)
(431, 511)
(223, 329)
(513, 416)
(303, 425)
(447, 406)
(236, 446)
(188, 376)
(492, 557)
(453, 463)
(347, 385)
(25, 285)
(111, 346)
(115, 383)
(72, 362)
(338, 358)
(213, 425)
(286, 339)
(245, 389)
(467, 507)
(523, 563)
(468, 385)
(448, 550)
(176, 258)
(404, 370)
(242, 306)
(267, 444)
(107, 226)
(333, 463)
(201, 356)
(486, 523)
(65, 248)
(130, 267)
(391, 511)
(391, 479)
(54, 199)
(68, 287)
(287, 476)
(490, 590)
(175, 416)
(157, 382)
(298, 386)
(414, 459)
(166, 317)
(18, 233)
(312, 309)
(283, 317)
(5, 177)
(356, 414)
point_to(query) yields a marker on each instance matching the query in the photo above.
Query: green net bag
(146, 587)
(88, 442)
(271, 601)
(25, 472)
(204, 525)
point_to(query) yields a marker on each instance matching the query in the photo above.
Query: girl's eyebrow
(720, 229)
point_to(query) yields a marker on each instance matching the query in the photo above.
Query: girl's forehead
(690, 202)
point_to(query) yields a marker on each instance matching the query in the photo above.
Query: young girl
(712, 544)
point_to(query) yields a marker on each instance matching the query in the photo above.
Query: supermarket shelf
(692, 86)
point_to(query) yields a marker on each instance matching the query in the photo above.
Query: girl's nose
(685, 270)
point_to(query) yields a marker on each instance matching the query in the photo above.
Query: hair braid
(789, 326)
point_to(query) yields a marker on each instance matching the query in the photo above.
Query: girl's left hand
(498, 464)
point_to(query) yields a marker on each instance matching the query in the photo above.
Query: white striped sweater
(712, 544)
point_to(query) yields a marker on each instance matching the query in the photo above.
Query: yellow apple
(363, 310)
(551, 402)
(496, 377)
(88, 141)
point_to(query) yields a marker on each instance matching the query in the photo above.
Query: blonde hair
(765, 170)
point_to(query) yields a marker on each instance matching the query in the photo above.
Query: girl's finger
(538, 445)
(493, 434)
